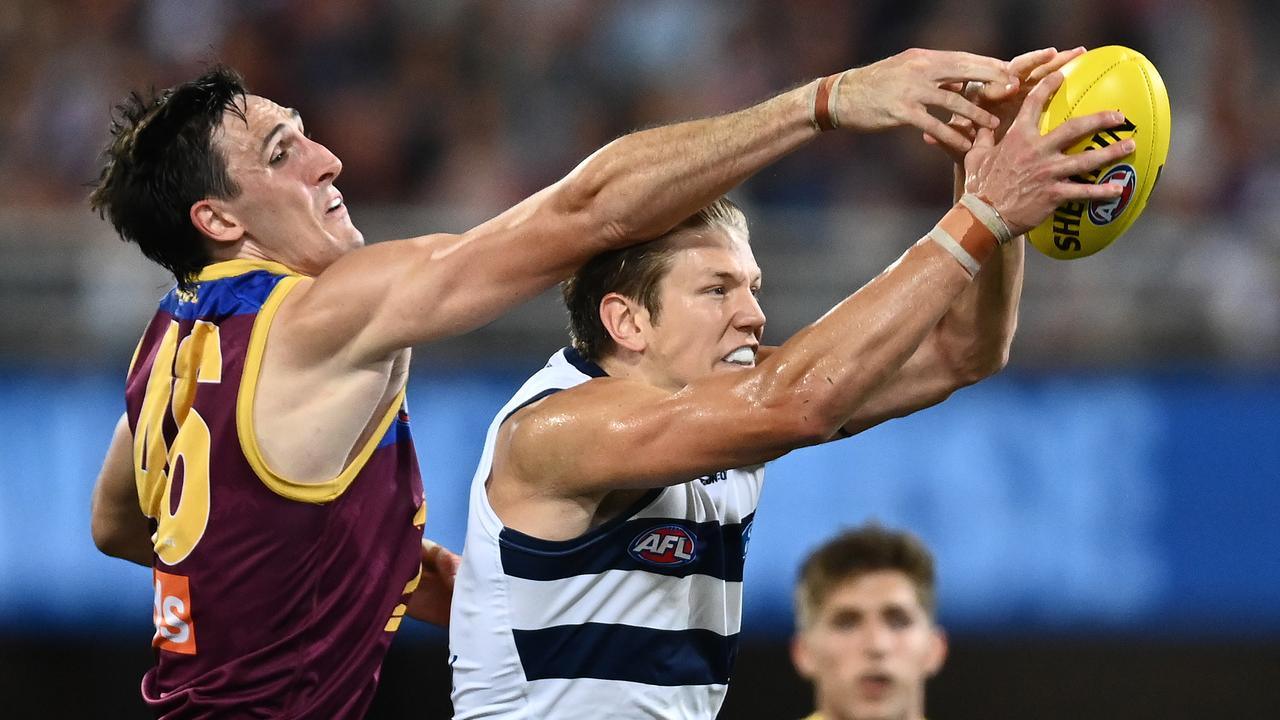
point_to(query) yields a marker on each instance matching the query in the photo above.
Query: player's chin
(342, 231)
(341, 244)
(352, 238)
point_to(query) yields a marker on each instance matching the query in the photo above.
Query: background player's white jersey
(637, 618)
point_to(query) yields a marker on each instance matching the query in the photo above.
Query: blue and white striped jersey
(637, 618)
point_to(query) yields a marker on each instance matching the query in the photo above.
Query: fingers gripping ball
(1108, 78)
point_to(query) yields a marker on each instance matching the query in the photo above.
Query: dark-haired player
(264, 466)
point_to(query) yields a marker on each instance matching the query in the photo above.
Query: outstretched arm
(119, 528)
(972, 340)
(814, 383)
(393, 295)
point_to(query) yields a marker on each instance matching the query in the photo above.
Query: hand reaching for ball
(1025, 176)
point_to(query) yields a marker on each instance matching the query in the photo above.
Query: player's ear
(625, 320)
(215, 221)
(801, 657)
(937, 652)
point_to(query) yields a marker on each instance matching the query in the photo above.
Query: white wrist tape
(988, 216)
(948, 243)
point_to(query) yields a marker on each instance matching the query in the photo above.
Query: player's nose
(878, 638)
(749, 315)
(328, 166)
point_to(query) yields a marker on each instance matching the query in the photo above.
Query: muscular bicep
(612, 434)
(119, 528)
(924, 380)
(969, 343)
(392, 295)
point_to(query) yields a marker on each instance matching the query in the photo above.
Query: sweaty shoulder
(559, 427)
(601, 399)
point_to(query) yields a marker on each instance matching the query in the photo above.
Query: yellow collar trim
(240, 266)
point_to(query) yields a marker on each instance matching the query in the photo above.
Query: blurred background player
(866, 625)
(611, 511)
(264, 466)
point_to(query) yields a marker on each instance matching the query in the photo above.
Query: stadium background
(1104, 513)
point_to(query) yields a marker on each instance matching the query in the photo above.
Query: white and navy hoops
(637, 618)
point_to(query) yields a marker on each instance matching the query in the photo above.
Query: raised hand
(900, 90)
(1031, 68)
(1004, 103)
(1025, 175)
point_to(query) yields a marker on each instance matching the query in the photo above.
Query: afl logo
(1102, 212)
(668, 545)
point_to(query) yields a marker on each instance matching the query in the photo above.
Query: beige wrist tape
(988, 216)
(948, 243)
(961, 233)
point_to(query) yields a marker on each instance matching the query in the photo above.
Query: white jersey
(637, 618)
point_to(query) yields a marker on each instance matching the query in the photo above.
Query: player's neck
(634, 366)
(832, 711)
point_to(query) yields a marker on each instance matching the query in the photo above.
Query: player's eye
(898, 620)
(845, 621)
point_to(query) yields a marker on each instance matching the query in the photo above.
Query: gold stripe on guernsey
(217, 271)
(320, 492)
(240, 266)
(134, 360)
(393, 624)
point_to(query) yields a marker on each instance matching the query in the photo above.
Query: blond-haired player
(611, 512)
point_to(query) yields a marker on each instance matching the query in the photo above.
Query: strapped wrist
(824, 103)
(963, 234)
(986, 213)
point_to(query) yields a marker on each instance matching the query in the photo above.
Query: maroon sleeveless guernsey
(272, 598)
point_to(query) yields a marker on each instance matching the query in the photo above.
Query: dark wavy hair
(161, 160)
(634, 272)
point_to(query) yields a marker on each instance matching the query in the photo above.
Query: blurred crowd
(480, 102)
(474, 104)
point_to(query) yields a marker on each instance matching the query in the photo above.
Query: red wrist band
(822, 104)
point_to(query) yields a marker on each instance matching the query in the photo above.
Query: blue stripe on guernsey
(639, 616)
(584, 366)
(236, 295)
(718, 550)
(532, 400)
(632, 654)
(398, 430)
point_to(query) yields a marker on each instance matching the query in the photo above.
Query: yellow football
(1107, 78)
